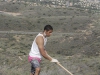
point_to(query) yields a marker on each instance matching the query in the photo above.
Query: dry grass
(75, 41)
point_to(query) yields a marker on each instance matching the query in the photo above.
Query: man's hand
(54, 60)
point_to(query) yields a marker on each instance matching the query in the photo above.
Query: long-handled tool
(64, 68)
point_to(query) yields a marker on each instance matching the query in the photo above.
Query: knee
(38, 69)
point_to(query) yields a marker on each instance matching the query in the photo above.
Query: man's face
(48, 33)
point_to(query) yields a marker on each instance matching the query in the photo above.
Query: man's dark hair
(48, 27)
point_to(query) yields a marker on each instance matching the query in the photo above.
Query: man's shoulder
(39, 38)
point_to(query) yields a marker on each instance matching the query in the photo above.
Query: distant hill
(33, 18)
(75, 41)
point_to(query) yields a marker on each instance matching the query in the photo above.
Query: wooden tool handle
(64, 68)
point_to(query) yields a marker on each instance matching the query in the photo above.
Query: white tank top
(35, 52)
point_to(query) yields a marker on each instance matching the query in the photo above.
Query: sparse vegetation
(75, 41)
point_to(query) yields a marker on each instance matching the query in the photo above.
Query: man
(38, 50)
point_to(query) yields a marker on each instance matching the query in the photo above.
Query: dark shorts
(34, 64)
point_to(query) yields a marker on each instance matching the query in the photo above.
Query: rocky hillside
(75, 41)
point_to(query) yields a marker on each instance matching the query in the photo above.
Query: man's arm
(40, 43)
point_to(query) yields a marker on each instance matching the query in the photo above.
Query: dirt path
(25, 32)
(10, 13)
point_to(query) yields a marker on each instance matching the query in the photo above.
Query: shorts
(31, 58)
(34, 64)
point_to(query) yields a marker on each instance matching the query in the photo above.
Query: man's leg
(35, 67)
(37, 71)
(31, 74)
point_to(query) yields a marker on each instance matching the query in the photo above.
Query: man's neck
(44, 34)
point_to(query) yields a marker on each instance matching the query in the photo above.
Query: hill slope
(75, 41)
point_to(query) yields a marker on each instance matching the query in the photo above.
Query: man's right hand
(54, 60)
